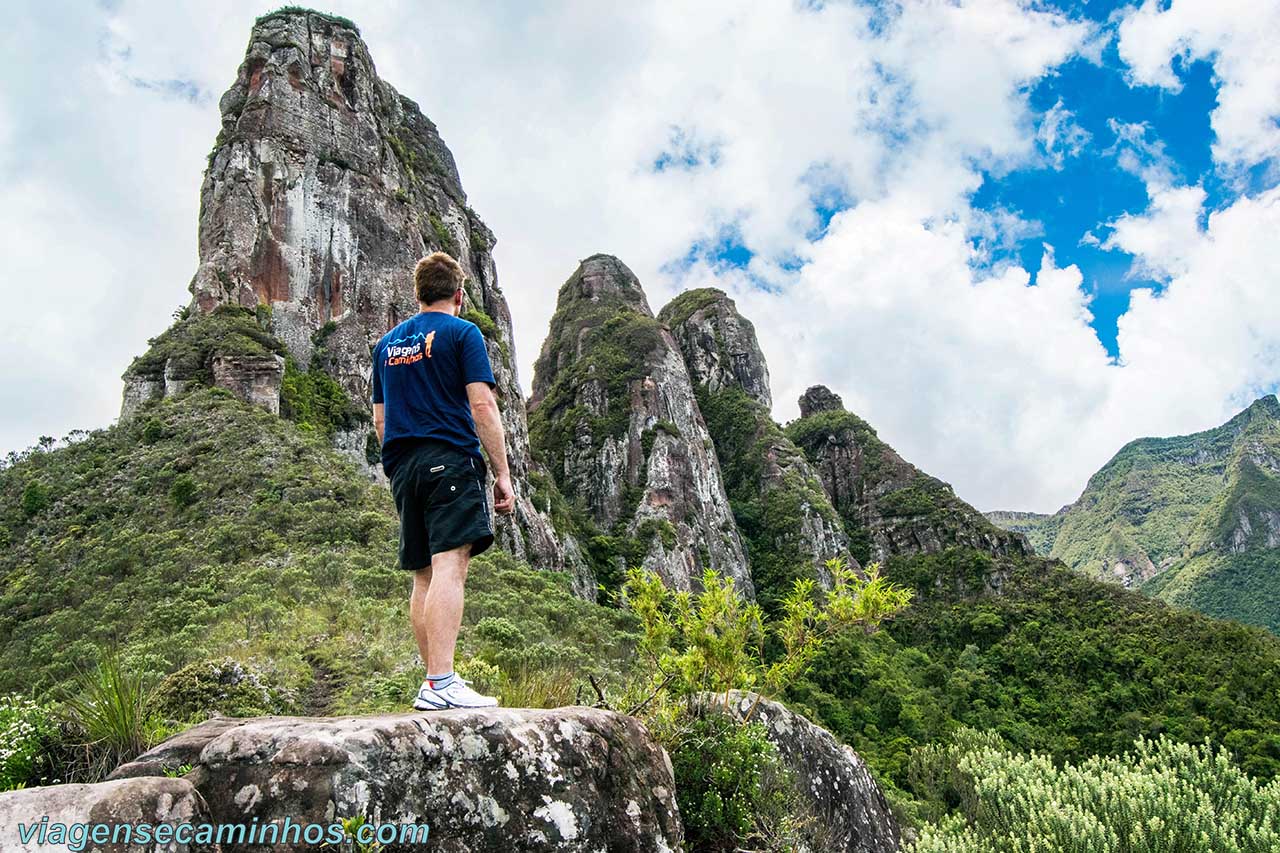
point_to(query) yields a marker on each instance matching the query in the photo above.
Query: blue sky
(1012, 234)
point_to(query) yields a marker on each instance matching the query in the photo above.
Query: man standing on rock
(433, 406)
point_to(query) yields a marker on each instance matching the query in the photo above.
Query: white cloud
(1060, 136)
(556, 114)
(1239, 37)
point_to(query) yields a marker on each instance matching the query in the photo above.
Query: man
(433, 406)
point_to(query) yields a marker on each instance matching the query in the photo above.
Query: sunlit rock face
(784, 514)
(616, 420)
(324, 188)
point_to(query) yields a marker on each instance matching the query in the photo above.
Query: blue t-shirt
(420, 373)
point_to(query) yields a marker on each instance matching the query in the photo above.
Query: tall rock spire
(790, 527)
(615, 418)
(323, 189)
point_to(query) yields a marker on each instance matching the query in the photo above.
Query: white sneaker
(457, 695)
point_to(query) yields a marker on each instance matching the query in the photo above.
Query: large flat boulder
(851, 811)
(502, 779)
(144, 800)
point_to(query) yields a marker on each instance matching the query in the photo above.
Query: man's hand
(504, 497)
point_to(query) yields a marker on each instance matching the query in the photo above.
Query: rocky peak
(884, 500)
(719, 344)
(790, 527)
(819, 398)
(615, 419)
(323, 189)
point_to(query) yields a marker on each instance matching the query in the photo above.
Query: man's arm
(484, 411)
(379, 419)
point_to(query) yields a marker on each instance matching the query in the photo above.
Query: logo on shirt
(409, 350)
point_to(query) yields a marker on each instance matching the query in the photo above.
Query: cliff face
(790, 527)
(1194, 520)
(615, 418)
(323, 189)
(888, 505)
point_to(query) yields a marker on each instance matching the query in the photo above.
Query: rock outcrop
(848, 809)
(148, 800)
(570, 779)
(719, 344)
(615, 419)
(885, 501)
(790, 527)
(323, 189)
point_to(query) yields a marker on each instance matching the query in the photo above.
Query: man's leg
(418, 610)
(442, 608)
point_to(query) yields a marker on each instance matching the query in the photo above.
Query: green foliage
(444, 237)
(184, 491)
(110, 707)
(315, 402)
(488, 327)
(1197, 509)
(730, 785)
(26, 727)
(282, 576)
(284, 11)
(714, 641)
(608, 340)
(769, 510)
(688, 303)
(1159, 796)
(224, 686)
(189, 345)
(1054, 663)
(35, 498)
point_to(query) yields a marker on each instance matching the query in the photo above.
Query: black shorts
(440, 495)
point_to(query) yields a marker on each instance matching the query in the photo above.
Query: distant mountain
(1194, 520)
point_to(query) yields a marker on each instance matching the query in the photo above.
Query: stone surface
(850, 811)
(254, 379)
(324, 187)
(767, 476)
(151, 800)
(896, 506)
(615, 418)
(570, 779)
(719, 344)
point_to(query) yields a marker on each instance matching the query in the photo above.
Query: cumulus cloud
(649, 130)
(1239, 38)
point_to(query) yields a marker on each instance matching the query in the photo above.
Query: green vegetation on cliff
(188, 346)
(1193, 520)
(746, 438)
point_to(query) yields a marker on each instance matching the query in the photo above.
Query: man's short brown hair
(437, 277)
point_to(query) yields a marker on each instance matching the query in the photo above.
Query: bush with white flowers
(25, 727)
(1161, 796)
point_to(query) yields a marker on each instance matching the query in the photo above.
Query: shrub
(224, 686)
(26, 728)
(714, 641)
(730, 785)
(111, 709)
(35, 498)
(183, 491)
(1160, 796)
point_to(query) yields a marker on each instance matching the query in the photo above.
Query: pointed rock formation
(888, 505)
(615, 419)
(323, 189)
(786, 519)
